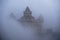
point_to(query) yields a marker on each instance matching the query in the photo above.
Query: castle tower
(27, 12)
(27, 16)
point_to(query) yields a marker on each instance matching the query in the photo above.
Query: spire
(27, 10)
(40, 19)
(12, 16)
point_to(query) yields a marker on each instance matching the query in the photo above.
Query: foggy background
(10, 27)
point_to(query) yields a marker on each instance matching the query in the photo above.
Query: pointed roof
(27, 9)
(12, 15)
(40, 18)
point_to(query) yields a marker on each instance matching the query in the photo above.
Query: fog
(13, 30)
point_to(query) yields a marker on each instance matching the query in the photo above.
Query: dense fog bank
(14, 30)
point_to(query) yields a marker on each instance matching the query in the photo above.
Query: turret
(27, 12)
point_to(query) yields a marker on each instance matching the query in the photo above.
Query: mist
(13, 30)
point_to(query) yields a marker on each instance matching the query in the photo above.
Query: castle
(28, 20)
